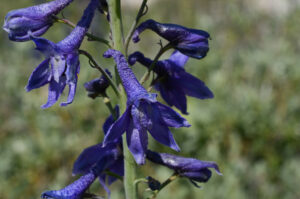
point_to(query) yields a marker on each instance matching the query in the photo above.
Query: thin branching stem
(113, 175)
(165, 183)
(90, 36)
(151, 67)
(140, 14)
(95, 65)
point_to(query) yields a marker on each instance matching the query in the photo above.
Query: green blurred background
(251, 128)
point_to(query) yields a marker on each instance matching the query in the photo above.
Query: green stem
(165, 183)
(133, 27)
(114, 7)
(130, 172)
(161, 51)
(90, 36)
(95, 65)
(113, 175)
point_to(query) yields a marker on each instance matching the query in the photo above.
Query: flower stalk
(158, 55)
(95, 65)
(90, 36)
(134, 25)
(114, 7)
(164, 184)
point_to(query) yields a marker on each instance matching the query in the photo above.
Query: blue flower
(63, 59)
(193, 169)
(143, 113)
(108, 157)
(172, 80)
(97, 86)
(191, 42)
(34, 20)
(92, 163)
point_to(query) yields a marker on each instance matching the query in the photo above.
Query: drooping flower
(63, 59)
(173, 82)
(95, 156)
(92, 163)
(193, 169)
(191, 42)
(143, 113)
(34, 20)
(97, 86)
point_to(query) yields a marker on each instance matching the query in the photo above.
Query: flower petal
(198, 165)
(90, 156)
(160, 130)
(171, 117)
(199, 176)
(72, 91)
(55, 90)
(39, 77)
(195, 49)
(118, 128)
(137, 140)
(178, 59)
(58, 66)
(110, 120)
(172, 94)
(45, 46)
(194, 87)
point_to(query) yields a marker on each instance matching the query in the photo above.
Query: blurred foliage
(251, 128)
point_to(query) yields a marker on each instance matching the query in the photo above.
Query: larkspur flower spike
(63, 58)
(143, 113)
(191, 42)
(34, 20)
(193, 169)
(172, 81)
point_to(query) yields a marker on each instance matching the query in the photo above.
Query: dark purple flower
(97, 86)
(34, 20)
(143, 113)
(172, 81)
(108, 157)
(92, 163)
(61, 66)
(191, 42)
(193, 169)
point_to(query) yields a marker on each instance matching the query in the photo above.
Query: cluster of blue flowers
(143, 113)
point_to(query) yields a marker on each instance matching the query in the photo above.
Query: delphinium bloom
(191, 42)
(63, 58)
(143, 113)
(97, 86)
(34, 20)
(193, 169)
(172, 81)
(92, 163)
